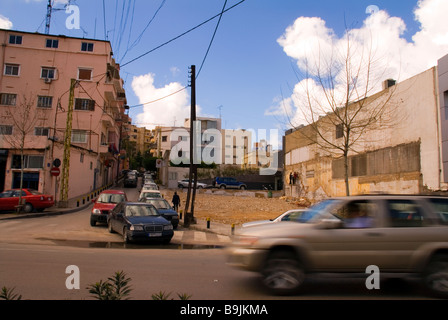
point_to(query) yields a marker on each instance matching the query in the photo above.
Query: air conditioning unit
(48, 80)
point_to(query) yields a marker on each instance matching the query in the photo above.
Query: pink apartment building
(39, 103)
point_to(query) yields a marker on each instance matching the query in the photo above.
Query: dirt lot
(233, 206)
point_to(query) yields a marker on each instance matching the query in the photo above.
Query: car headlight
(96, 211)
(246, 240)
(168, 227)
(136, 228)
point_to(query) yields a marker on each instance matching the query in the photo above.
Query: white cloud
(168, 111)
(5, 23)
(313, 45)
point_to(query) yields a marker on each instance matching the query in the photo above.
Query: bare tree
(23, 118)
(338, 102)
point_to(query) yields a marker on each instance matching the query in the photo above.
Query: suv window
(405, 213)
(356, 214)
(440, 206)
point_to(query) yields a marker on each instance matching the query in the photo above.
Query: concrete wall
(412, 120)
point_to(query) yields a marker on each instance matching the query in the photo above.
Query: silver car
(398, 234)
(290, 215)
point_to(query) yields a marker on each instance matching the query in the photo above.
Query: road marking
(200, 236)
(223, 238)
(178, 235)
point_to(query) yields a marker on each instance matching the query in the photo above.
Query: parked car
(31, 199)
(106, 201)
(139, 221)
(290, 215)
(150, 194)
(165, 209)
(149, 186)
(399, 234)
(184, 184)
(224, 183)
(130, 179)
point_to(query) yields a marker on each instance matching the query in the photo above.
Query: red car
(33, 200)
(106, 201)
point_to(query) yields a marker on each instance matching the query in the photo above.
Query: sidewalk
(213, 227)
(200, 225)
(53, 211)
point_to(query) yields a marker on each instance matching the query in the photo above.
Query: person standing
(176, 201)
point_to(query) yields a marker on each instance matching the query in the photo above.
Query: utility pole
(63, 198)
(189, 215)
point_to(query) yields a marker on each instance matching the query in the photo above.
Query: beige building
(400, 155)
(59, 85)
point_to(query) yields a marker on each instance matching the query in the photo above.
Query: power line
(169, 95)
(213, 37)
(182, 34)
(144, 30)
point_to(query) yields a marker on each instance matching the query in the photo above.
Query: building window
(52, 43)
(11, 69)
(5, 130)
(87, 46)
(44, 102)
(84, 74)
(85, 104)
(13, 39)
(48, 73)
(164, 138)
(40, 131)
(30, 162)
(339, 130)
(8, 99)
(79, 136)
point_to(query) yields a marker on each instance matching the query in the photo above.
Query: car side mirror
(329, 224)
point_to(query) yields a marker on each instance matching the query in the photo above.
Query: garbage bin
(269, 194)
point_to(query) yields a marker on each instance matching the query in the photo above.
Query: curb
(45, 214)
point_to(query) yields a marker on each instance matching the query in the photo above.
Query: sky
(254, 56)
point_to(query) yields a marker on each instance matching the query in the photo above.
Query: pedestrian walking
(176, 201)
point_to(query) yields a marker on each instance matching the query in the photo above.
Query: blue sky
(247, 74)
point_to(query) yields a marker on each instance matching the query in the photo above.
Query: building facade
(401, 155)
(70, 92)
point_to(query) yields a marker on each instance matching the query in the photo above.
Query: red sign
(55, 171)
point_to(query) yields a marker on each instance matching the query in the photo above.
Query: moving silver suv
(398, 234)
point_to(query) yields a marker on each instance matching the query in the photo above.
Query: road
(34, 255)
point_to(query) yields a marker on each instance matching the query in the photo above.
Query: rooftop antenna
(220, 107)
(48, 19)
(50, 10)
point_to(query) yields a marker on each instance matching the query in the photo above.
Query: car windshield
(318, 211)
(150, 187)
(159, 204)
(151, 195)
(140, 211)
(110, 198)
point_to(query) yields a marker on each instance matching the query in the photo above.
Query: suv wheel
(283, 274)
(223, 186)
(436, 276)
(242, 187)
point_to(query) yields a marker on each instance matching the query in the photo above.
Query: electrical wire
(182, 34)
(213, 37)
(169, 95)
